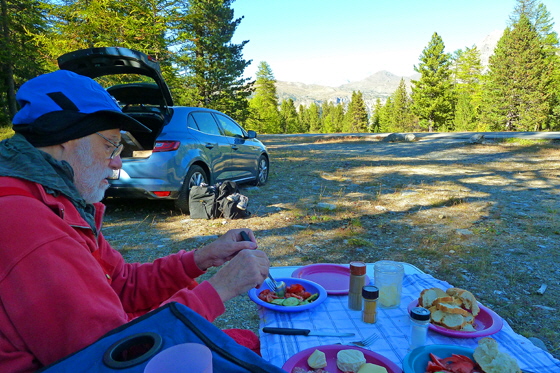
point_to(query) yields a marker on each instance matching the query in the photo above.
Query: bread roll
(492, 360)
(350, 360)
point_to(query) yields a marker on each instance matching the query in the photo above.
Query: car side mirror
(251, 134)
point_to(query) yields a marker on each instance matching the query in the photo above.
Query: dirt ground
(485, 217)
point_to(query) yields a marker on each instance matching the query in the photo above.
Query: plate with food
(338, 359)
(300, 295)
(456, 313)
(335, 278)
(487, 357)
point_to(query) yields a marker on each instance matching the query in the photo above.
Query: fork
(365, 342)
(277, 287)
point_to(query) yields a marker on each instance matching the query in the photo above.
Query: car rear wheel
(262, 171)
(195, 176)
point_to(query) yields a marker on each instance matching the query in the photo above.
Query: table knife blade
(293, 331)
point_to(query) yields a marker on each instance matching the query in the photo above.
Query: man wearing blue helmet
(62, 286)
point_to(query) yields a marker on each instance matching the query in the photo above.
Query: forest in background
(518, 91)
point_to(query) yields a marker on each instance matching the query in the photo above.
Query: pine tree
(467, 75)
(376, 117)
(289, 117)
(432, 95)
(386, 124)
(517, 92)
(542, 20)
(19, 55)
(356, 118)
(313, 118)
(401, 116)
(328, 123)
(265, 116)
(214, 65)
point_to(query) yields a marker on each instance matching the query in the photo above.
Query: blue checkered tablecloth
(392, 326)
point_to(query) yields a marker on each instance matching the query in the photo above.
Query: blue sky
(332, 42)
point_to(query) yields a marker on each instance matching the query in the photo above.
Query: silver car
(187, 146)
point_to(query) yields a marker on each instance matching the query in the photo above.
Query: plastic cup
(388, 277)
(182, 358)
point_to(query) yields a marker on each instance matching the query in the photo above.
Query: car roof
(97, 62)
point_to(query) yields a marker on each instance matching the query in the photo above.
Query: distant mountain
(379, 85)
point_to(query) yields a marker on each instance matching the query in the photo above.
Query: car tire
(195, 176)
(262, 171)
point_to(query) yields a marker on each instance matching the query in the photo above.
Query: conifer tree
(376, 116)
(302, 119)
(19, 55)
(517, 92)
(356, 117)
(432, 95)
(401, 116)
(265, 116)
(328, 123)
(313, 118)
(289, 117)
(543, 23)
(214, 65)
(386, 117)
(467, 75)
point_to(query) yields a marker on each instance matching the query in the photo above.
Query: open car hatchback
(187, 146)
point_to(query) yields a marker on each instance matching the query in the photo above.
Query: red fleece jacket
(61, 288)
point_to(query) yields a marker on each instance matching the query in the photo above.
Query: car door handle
(209, 145)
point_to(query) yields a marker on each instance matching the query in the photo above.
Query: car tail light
(162, 194)
(166, 146)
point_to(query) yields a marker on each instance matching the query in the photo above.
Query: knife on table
(292, 331)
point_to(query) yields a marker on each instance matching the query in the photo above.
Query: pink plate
(299, 360)
(486, 323)
(335, 278)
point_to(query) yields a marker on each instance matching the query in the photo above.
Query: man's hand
(224, 249)
(248, 269)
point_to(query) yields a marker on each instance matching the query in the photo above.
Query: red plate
(486, 323)
(335, 278)
(300, 359)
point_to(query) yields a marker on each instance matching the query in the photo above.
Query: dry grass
(482, 217)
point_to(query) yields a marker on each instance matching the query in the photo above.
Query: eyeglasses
(118, 147)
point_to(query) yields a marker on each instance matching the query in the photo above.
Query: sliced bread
(428, 296)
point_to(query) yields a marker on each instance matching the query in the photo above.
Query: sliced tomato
(295, 288)
(305, 294)
(267, 295)
(293, 295)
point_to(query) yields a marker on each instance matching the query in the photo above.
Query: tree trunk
(7, 65)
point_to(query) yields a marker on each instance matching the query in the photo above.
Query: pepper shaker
(357, 282)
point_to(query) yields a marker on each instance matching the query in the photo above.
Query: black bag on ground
(228, 201)
(219, 201)
(202, 202)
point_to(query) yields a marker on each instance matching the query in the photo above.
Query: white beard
(89, 177)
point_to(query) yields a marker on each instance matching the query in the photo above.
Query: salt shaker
(419, 322)
(370, 294)
(357, 282)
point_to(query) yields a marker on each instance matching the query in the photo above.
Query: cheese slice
(372, 368)
(350, 360)
(317, 360)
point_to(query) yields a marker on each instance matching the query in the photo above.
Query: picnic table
(392, 327)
